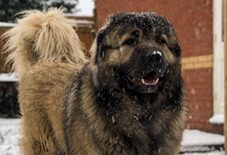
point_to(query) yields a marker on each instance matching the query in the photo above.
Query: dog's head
(136, 51)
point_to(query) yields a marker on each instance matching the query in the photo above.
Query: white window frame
(218, 58)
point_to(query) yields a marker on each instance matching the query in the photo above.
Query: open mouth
(150, 80)
(147, 84)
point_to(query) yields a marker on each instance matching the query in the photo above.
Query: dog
(127, 99)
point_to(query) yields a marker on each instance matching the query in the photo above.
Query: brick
(195, 36)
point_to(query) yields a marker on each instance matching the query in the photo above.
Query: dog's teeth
(151, 83)
(143, 81)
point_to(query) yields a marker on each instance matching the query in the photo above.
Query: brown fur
(43, 37)
(71, 107)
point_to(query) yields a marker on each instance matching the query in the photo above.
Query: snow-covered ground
(8, 77)
(5, 24)
(196, 137)
(195, 140)
(211, 153)
(10, 135)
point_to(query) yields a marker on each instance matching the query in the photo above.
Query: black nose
(154, 57)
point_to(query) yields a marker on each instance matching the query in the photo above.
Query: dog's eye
(130, 41)
(161, 39)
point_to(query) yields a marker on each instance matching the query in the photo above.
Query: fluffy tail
(42, 37)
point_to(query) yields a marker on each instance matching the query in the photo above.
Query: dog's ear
(174, 45)
(175, 48)
(99, 52)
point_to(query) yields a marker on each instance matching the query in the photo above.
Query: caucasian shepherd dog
(126, 100)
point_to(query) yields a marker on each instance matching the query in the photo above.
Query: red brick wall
(199, 99)
(192, 20)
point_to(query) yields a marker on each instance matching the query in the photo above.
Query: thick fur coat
(126, 100)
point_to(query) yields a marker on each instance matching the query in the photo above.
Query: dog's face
(137, 52)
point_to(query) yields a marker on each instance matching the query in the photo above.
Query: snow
(10, 135)
(211, 153)
(85, 8)
(8, 77)
(198, 141)
(4, 24)
(196, 137)
(217, 119)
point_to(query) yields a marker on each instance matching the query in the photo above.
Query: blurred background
(200, 28)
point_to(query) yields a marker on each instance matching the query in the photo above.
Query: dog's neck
(116, 111)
